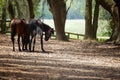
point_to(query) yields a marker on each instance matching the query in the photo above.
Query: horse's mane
(42, 25)
(45, 27)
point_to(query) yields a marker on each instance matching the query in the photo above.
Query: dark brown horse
(18, 26)
(36, 27)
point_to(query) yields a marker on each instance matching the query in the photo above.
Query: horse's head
(45, 28)
(48, 33)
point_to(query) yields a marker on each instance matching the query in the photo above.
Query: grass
(102, 39)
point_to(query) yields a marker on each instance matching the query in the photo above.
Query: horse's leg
(13, 40)
(19, 42)
(34, 43)
(26, 43)
(23, 43)
(42, 43)
(30, 42)
(13, 33)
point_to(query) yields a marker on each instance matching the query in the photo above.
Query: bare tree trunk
(58, 9)
(88, 20)
(31, 9)
(113, 8)
(18, 8)
(115, 32)
(3, 22)
(118, 20)
(10, 9)
(22, 9)
(95, 20)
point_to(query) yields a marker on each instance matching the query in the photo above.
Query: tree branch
(69, 6)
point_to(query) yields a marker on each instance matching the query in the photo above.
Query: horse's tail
(13, 28)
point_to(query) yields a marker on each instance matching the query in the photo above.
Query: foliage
(43, 10)
(77, 9)
(104, 15)
(2, 4)
(106, 29)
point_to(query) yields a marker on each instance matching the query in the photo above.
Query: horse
(36, 27)
(18, 26)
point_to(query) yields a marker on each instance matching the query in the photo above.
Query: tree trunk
(114, 9)
(18, 8)
(10, 9)
(22, 9)
(88, 20)
(3, 22)
(115, 32)
(31, 9)
(58, 9)
(95, 20)
(118, 28)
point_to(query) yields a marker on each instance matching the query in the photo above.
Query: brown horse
(18, 26)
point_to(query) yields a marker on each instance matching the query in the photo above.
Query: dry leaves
(74, 60)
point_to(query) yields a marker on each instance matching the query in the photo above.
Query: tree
(22, 9)
(10, 9)
(3, 22)
(118, 29)
(91, 26)
(95, 19)
(58, 9)
(88, 20)
(19, 9)
(31, 8)
(3, 17)
(113, 8)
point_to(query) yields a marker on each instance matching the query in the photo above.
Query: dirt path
(74, 60)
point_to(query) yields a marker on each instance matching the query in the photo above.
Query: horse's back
(19, 25)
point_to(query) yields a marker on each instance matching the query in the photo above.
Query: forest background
(75, 18)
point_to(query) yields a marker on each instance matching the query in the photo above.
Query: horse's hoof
(43, 51)
(20, 50)
(32, 50)
(25, 50)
